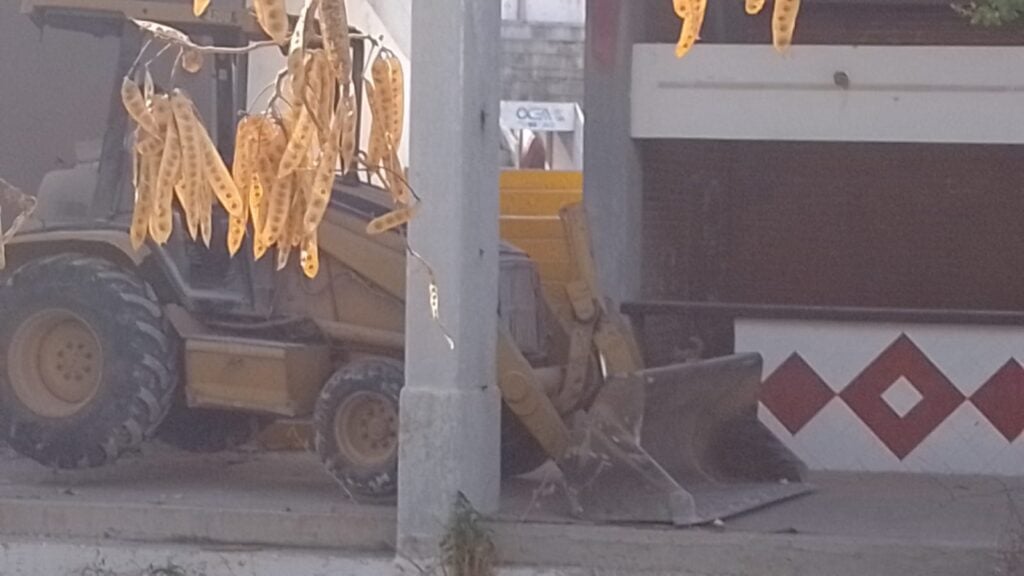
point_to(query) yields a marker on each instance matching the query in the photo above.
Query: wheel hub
(55, 363)
(69, 361)
(366, 429)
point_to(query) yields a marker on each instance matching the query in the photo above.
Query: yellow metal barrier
(530, 201)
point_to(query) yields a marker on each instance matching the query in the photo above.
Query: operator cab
(80, 54)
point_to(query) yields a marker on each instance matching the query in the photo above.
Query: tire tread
(144, 337)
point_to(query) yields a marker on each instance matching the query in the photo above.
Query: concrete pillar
(612, 170)
(450, 406)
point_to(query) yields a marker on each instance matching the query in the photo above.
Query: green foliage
(992, 12)
(467, 548)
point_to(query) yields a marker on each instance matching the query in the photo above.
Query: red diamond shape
(1001, 400)
(795, 393)
(939, 396)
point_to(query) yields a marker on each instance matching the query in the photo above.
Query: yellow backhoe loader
(103, 346)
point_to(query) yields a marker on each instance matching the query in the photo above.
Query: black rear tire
(133, 375)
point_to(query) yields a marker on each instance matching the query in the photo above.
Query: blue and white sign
(539, 116)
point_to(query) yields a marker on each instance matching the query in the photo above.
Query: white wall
(264, 64)
(509, 9)
(363, 15)
(545, 11)
(947, 94)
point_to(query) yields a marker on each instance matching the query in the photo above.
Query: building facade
(847, 209)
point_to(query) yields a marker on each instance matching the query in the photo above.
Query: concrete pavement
(267, 506)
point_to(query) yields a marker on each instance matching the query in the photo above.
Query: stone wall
(542, 62)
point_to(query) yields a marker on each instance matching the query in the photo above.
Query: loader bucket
(702, 453)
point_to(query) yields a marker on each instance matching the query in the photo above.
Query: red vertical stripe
(604, 32)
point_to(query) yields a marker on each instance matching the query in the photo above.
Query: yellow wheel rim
(55, 363)
(366, 429)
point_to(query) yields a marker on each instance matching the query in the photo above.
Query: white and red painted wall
(893, 397)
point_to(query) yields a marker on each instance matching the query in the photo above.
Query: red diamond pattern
(939, 397)
(1001, 400)
(795, 393)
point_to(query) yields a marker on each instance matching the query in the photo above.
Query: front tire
(356, 425)
(88, 362)
(356, 431)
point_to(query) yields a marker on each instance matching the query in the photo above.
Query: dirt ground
(860, 524)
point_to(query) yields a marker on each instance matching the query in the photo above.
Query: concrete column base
(451, 437)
